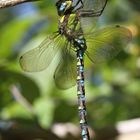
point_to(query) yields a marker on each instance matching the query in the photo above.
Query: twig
(9, 3)
(20, 99)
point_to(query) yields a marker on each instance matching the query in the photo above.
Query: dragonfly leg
(78, 8)
(79, 1)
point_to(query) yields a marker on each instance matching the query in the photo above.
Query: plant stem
(9, 3)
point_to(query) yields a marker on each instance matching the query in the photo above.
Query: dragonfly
(74, 40)
(85, 9)
(99, 46)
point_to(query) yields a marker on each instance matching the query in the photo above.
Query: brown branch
(9, 3)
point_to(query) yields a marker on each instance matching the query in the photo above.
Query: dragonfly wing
(97, 6)
(65, 73)
(39, 58)
(88, 10)
(94, 6)
(106, 43)
(89, 13)
(88, 24)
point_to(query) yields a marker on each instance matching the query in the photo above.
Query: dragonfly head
(63, 6)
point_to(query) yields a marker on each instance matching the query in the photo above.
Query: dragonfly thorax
(64, 27)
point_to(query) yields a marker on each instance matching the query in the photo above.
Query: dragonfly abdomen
(79, 43)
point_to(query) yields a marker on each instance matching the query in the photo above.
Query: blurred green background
(31, 106)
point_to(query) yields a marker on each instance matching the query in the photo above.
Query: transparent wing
(93, 6)
(88, 10)
(65, 74)
(106, 43)
(39, 58)
(89, 13)
(88, 24)
(96, 6)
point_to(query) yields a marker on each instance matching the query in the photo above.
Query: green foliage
(112, 89)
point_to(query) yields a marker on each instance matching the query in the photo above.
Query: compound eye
(62, 7)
